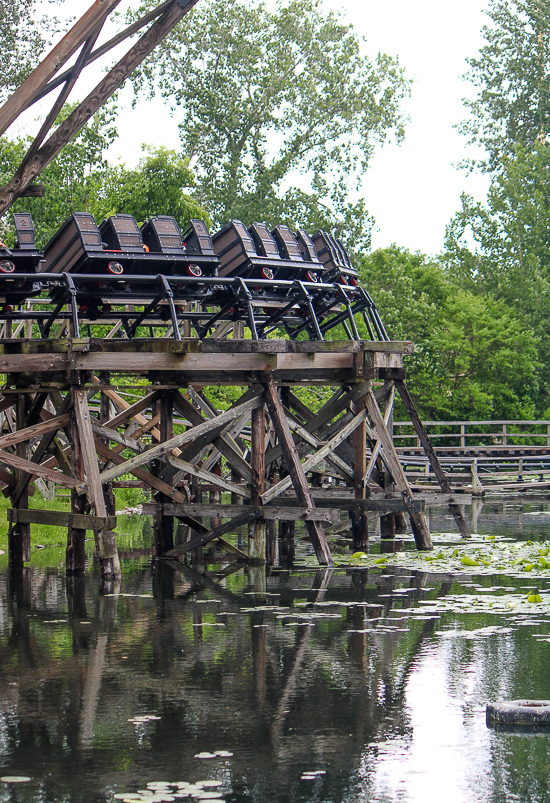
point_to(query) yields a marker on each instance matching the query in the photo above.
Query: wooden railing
(475, 433)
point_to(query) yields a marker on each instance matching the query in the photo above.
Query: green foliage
(511, 260)
(265, 96)
(473, 357)
(512, 76)
(156, 186)
(80, 179)
(70, 180)
(24, 33)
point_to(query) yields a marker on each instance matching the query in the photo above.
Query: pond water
(360, 684)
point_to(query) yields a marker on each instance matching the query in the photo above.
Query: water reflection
(290, 671)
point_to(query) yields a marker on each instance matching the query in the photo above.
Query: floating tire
(519, 712)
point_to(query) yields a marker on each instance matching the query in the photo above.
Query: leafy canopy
(512, 78)
(474, 358)
(280, 111)
(81, 179)
(24, 34)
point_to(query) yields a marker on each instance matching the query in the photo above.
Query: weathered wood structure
(480, 456)
(173, 441)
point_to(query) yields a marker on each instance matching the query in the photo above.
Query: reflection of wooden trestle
(68, 421)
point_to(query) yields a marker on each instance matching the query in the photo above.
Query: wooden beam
(207, 476)
(201, 540)
(360, 528)
(334, 460)
(140, 473)
(131, 410)
(315, 459)
(432, 457)
(122, 404)
(56, 518)
(35, 470)
(298, 477)
(223, 443)
(269, 513)
(418, 521)
(54, 60)
(104, 538)
(190, 435)
(339, 402)
(377, 446)
(113, 435)
(257, 529)
(53, 424)
(98, 96)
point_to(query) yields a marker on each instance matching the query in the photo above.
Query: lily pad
(14, 779)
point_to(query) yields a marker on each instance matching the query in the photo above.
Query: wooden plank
(113, 435)
(122, 404)
(377, 446)
(32, 363)
(7, 478)
(7, 401)
(35, 470)
(360, 528)
(257, 530)
(223, 443)
(342, 469)
(201, 540)
(95, 99)
(133, 409)
(315, 459)
(339, 402)
(104, 538)
(269, 513)
(140, 473)
(418, 522)
(207, 476)
(432, 457)
(53, 424)
(53, 61)
(75, 553)
(56, 518)
(232, 550)
(297, 474)
(87, 443)
(191, 434)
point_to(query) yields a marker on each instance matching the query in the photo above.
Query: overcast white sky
(412, 190)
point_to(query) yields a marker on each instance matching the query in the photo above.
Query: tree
(512, 76)
(69, 181)
(280, 111)
(473, 358)
(155, 187)
(24, 34)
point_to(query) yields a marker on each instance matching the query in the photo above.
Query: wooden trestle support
(65, 422)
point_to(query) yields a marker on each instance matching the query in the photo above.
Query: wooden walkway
(479, 455)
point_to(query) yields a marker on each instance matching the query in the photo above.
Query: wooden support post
(105, 540)
(299, 481)
(419, 524)
(388, 521)
(360, 526)
(75, 556)
(257, 528)
(215, 493)
(104, 416)
(164, 533)
(286, 528)
(432, 457)
(19, 537)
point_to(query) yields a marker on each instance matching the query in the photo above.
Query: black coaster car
(19, 264)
